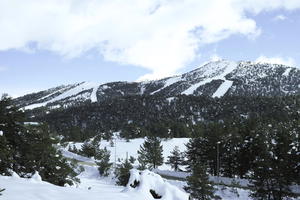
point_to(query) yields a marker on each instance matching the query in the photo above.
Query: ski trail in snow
(227, 66)
(94, 94)
(223, 88)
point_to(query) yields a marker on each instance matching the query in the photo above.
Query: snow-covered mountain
(214, 79)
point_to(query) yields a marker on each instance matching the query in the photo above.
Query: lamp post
(115, 152)
(218, 158)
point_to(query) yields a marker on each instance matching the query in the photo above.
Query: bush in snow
(151, 185)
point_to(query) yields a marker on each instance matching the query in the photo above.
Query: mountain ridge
(214, 79)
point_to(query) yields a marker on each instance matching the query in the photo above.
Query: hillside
(221, 91)
(214, 79)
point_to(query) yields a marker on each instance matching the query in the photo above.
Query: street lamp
(218, 158)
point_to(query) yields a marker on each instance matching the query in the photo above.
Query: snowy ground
(95, 187)
(122, 148)
(91, 186)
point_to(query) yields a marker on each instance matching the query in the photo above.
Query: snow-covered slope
(92, 187)
(121, 149)
(215, 79)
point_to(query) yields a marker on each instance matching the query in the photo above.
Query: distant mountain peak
(215, 79)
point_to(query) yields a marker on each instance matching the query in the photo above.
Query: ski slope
(214, 71)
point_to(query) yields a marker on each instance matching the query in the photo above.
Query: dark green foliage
(1, 190)
(175, 159)
(150, 153)
(26, 149)
(199, 185)
(275, 167)
(132, 115)
(73, 149)
(123, 173)
(267, 149)
(88, 149)
(132, 159)
(103, 165)
(6, 159)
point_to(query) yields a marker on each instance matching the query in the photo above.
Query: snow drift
(153, 186)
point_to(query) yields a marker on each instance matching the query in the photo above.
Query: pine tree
(104, 165)
(5, 156)
(123, 173)
(199, 186)
(27, 148)
(274, 167)
(175, 159)
(132, 159)
(150, 153)
(88, 149)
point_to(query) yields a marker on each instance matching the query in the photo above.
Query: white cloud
(277, 60)
(215, 57)
(280, 18)
(160, 35)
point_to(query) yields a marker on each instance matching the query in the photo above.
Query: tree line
(26, 149)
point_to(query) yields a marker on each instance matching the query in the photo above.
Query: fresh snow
(223, 88)
(168, 82)
(287, 71)
(92, 186)
(211, 72)
(72, 92)
(94, 93)
(192, 88)
(151, 181)
(122, 148)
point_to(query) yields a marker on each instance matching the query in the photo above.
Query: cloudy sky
(53, 42)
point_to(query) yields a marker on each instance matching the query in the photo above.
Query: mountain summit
(214, 79)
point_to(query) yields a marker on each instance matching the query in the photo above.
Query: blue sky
(50, 44)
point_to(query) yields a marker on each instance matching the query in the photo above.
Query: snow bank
(143, 182)
(36, 177)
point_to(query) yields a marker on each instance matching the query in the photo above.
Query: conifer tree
(132, 159)
(123, 173)
(30, 148)
(104, 165)
(175, 159)
(88, 149)
(150, 153)
(198, 184)
(274, 165)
